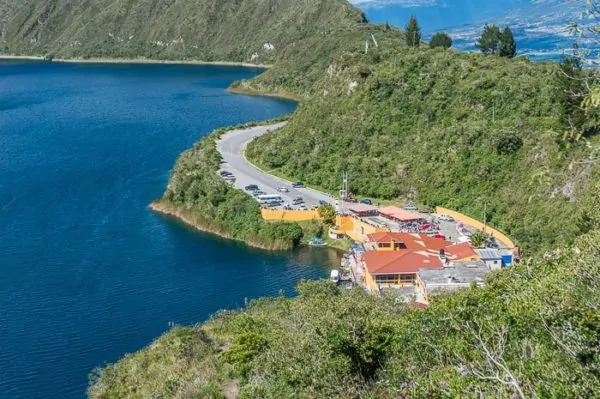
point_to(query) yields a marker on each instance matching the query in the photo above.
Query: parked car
(298, 184)
(351, 200)
(251, 187)
(321, 202)
(410, 207)
(297, 200)
(440, 236)
(283, 190)
(303, 207)
(229, 178)
(426, 210)
(258, 192)
(366, 201)
(447, 218)
(225, 173)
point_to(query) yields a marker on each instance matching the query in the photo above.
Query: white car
(303, 207)
(283, 190)
(447, 218)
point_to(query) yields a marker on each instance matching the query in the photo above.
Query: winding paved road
(232, 146)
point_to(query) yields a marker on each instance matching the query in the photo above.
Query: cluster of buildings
(395, 252)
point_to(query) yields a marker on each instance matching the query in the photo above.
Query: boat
(335, 276)
(316, 242)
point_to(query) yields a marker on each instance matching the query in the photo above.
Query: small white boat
(335, 276)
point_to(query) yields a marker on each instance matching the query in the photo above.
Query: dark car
(297, 200)
(251, 187)
(426, 210)
(366, 201)
(225, 173)
(298, 184)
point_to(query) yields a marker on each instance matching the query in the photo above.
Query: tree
(440, 39)
(508, 46)
(489, 40)
(478, 238)
(413, 33)
(327, 214)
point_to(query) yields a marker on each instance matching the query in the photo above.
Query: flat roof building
(454, 276)
(399, 214)
(491, 257)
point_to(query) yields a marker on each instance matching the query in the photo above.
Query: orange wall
(370, 282)
(289, 216)
(478, 225)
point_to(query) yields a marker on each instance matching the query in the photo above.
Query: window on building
(406, 278)
(387, 279)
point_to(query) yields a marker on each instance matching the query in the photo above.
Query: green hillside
(206, 30)
(441, 128)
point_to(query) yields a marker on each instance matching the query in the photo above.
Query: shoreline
(188, 218)
(140, 61)
(257, 93)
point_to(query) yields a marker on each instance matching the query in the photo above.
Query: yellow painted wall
(478, 225)
(370, 282)
(345, 223)
(289, 216)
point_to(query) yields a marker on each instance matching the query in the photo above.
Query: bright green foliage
(531, 331)
(440, 39)
(456, 130)
(478, 238)
(489, 40)
(412, 33)
(207, 30)
(198, 192)
(327, 214)
(508, 46)
(309, 60)
(573, 84)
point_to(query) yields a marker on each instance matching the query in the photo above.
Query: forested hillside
(206, 30)
(462, 131)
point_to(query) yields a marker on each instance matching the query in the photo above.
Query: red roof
(412, 241)
(460, 251)
(360, 208)
(401, 262)
(399, 214)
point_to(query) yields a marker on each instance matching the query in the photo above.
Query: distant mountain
(209, 30)
(540, 26)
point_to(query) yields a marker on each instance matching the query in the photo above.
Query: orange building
(394, 259)
(397, 268)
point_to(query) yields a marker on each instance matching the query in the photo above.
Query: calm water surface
(87, 272)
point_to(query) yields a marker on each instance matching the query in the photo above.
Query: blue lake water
(87, 272)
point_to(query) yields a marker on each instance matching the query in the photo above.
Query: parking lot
(232, 146)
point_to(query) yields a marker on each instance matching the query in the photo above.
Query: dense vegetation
(457, 130)
(532, 332)
(308, 61)
(206, 30)
(199, 195)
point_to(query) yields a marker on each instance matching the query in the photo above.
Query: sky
(540, 26)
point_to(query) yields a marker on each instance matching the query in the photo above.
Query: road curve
(232, 145)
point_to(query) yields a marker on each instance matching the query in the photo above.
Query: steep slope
(208, 30)
(457, 130)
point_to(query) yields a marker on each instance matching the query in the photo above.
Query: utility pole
(414, 37)
(484, 217)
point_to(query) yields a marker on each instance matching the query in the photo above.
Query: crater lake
(87, 272)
